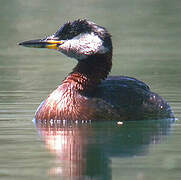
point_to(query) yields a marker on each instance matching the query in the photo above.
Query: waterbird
(87, 94)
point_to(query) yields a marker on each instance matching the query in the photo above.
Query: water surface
(146, 40)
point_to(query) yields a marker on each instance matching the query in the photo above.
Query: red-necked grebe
(87, 93)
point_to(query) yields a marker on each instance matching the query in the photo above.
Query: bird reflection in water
(84, 150)
(67, 142)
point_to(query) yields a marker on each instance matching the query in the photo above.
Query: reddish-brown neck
(89, 72)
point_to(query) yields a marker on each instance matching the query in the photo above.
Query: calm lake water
(146, 39)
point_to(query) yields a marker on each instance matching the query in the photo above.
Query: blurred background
(146, 43)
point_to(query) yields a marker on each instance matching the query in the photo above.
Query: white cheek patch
(83, 45)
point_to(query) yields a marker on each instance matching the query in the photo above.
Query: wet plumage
(87, 93)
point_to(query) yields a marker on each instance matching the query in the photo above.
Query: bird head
(78, 39)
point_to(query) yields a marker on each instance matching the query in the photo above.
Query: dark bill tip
(37, 43)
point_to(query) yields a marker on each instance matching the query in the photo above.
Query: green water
(146, 40)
